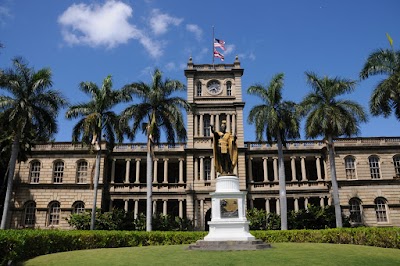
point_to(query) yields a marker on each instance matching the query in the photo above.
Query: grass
(280, 254)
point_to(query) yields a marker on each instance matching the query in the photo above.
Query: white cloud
(159, 22)
(250, 55)
(4, 14)
(196, 30)
(104, 25)
(170, 66)
(229, 48)
(96, 25)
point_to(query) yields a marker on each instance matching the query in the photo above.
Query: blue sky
(88, 40)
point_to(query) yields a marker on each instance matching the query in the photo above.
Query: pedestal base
(229, 230)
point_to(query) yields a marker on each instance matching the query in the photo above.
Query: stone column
(155, 164)
(296, 204)
(228, 122)
(306, 203)
(196, 125)
(196, 213)
(113, 171)
(180, 208)
(250, 169)
(201, 213)
(217, 122)
(276, 175)
(126, 206)
(326, 171)
(181, 170)
(201, 126)
(303, 168)
(165, 207)
(201, 167)
(111, 205)
(196, 168)
(212, 168)
(265, 168)
(137, 170)
(293, 166)
(322, 202)
(329, 201)
(278, 207)
(135, 208)
(154, 207)
(127, 170)
(267, 206)
(212, 118)
(318, 165)
(165, 171)
(251, 203)
(234, 124)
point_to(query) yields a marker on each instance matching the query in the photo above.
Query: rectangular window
(207, 169)
(206, 125)
(30, 214)
(396, 162)
(374, 167)
(35, 172)
(58, 172)
(198, 89)
(82, 172)
(350, 168)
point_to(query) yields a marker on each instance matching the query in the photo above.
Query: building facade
(57, 180)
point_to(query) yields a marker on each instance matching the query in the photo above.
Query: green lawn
(280, 254)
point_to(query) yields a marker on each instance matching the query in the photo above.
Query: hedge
(20, 245)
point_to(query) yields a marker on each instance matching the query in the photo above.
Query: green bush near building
(20, 245)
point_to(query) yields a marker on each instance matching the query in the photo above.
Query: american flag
(218, 54)
(219, 44)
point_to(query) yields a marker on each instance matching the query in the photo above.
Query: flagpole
(212, 50)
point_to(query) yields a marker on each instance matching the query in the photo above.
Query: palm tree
(158, 111)
(386, 96)
(97, 120)
(330, 117)
(279, 120)
(31, 107)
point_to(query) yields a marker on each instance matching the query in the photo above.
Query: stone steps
(229, 245)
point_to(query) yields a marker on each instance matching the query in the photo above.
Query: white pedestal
(228, 217)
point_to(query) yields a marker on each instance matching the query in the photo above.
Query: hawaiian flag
(219, 44)
(218, 54)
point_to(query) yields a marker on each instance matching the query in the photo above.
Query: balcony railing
(142, 187)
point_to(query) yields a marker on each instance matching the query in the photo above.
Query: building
(57, 179)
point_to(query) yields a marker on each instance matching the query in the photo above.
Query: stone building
(57, 179)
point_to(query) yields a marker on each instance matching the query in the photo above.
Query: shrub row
(20, 245)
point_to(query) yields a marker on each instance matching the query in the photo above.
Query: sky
(89, 40)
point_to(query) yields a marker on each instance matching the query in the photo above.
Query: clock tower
(215, 91)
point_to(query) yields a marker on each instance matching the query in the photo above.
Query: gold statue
(225, 150)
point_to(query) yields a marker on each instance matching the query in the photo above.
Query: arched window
(81, 172)
(374, 167)
(78, 207)
(30, 213)
(34, 172)
(355, 211)
(58, 171)
(350, 167)
(380, 210)
(198, 89)
(207, 169)
(396, 163)
(229, 88)
(54, 213)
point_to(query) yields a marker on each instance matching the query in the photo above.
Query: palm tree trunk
(282, 184)
(149, 183)
(10, 180)
(96, 184)
(335, 187)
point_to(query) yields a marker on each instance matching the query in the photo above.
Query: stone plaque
(229, 208)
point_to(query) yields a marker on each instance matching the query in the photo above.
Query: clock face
(214, 87)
